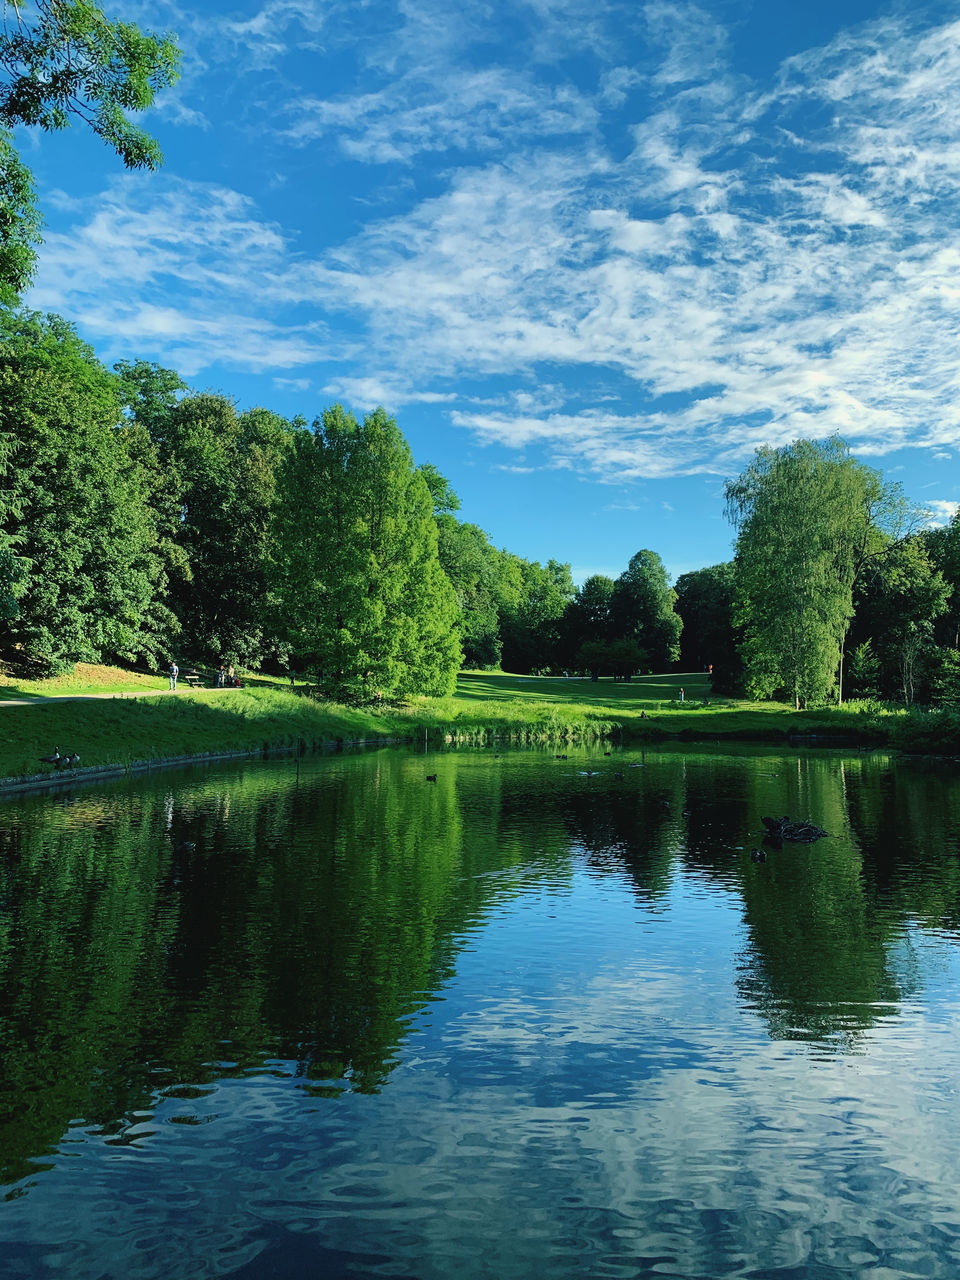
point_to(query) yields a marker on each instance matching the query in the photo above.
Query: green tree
(445, 501)
(61, 59)
(897, 604)
(224, 466)
(74, 504)
(710, 637)
(619, 658)
(474, 569)
(64, 58)
(642, 609)
(586, 618)
(863, 671)
(808, 518)
(358, 576)
(943, 546)
(19, 222)
(530, 622)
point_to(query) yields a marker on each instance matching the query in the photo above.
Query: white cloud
(941, 512)
(750, 266)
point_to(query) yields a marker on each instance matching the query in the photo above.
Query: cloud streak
(693, 264)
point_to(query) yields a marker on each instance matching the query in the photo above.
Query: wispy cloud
(736, 264)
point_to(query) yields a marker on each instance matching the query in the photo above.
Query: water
(531, 1020)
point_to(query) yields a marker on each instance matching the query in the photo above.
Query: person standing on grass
(681, 694)
(221, 676)
(174, 671)
(232, 676)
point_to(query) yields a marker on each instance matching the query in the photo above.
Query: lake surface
(530, 1020)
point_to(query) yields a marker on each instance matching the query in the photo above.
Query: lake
(539, 1018)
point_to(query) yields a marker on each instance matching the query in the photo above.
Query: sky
(591, 254)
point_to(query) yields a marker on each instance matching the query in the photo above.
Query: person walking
(174, 671)
(221, 676)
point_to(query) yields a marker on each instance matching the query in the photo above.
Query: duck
(758, 855)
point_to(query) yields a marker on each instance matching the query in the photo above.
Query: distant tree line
(140, 519)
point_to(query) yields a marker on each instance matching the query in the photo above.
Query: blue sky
(590, 254)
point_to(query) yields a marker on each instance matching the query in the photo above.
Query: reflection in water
(525, 1021)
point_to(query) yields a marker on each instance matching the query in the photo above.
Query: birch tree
(808, 516)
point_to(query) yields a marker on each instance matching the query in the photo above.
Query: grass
(266, 715)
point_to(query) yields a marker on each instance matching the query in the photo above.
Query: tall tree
(474, 569)
(586, 620)
(225, 465)
(943, 546)
(642, 609)
(530, 626)
(74, 505)
(19, 222)
(709, 637)
(897, 605)
(358, 576)
(808, 517)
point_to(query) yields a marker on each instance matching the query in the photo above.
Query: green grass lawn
(641, 693)
(266, 714)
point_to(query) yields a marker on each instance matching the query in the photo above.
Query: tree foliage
(77, 519)
(359, 579)
(19, 222)
(642, 609)
(710, 639)
(531, 625)
(808, 518)
(897, 605)
(65, 58)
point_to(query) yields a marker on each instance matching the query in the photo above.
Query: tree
(19, 222)
(473, 567)
(642, 609)
(586, 618)
(223, 468)
(897, 605)
(943, 546)
(64, 58)
(619, 658)
(808, 518)
(358, 575)
(445, 501)
(75, 508)
(709, 637)
(530, 626)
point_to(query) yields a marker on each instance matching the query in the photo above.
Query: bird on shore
(69, 759)
(54, 759)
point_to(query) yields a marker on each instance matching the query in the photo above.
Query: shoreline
(116, 735)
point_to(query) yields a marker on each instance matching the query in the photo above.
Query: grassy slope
(266, 714)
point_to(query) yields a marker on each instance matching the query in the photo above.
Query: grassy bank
(121, 731)
(106, 731)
